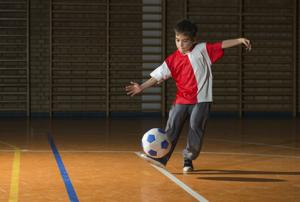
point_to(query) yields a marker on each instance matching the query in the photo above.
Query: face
(184, 43)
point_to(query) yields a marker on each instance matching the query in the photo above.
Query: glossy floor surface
(241, 161)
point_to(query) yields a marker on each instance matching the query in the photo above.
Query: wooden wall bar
(96, 47)
(14, 63)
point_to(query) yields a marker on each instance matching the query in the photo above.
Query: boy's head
(185, 33)
(187, 28)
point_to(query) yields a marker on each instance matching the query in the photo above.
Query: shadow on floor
(238, 172)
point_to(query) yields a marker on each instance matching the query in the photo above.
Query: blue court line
(63, 171)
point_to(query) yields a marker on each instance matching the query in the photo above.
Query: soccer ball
(156, 143)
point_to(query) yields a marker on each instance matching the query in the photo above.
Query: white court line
(193, 193)
(130, 151)
(255, 143)
(252, 154)
(2, 190)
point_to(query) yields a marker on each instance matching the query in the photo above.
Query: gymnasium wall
(60, 57)
(39, 56)
(14, 59)
(298, 59)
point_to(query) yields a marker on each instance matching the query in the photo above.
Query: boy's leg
(198, 119)
(177, 116)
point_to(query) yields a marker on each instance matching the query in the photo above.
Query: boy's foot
(151, 160)
(188, 166)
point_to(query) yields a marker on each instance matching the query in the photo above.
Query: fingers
(131, 89)
(247, 44)
(127, 88)
(131, 93)
(133, 83)
(249, 47)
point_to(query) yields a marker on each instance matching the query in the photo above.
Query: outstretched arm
(234, 42)
(135, 88)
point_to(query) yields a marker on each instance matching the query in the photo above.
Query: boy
(190, 67)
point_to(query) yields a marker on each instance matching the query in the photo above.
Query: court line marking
(64, 174)
(130, 151)
(14, 182)
(14, 188)
(255, 143)
(2, 190)
(186, 188)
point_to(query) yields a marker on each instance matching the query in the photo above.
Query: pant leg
(198, 119)
(177, 117)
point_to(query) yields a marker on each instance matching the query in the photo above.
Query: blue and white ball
(156, 143)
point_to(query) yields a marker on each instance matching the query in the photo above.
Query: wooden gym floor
(95, 160)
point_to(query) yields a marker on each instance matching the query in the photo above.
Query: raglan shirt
(191, 72)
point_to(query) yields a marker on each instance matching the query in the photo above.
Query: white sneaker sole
(150, 160)
(187, 169)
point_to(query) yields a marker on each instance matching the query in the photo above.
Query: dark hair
(186, 27)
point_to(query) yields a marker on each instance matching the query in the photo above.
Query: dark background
(60, 57)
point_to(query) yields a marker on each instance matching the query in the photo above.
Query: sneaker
(151, 160)
(188, 166)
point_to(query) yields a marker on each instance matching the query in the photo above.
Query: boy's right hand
(133, 89)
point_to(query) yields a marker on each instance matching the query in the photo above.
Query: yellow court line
(14, 184)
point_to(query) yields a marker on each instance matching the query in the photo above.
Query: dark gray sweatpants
(198, 115)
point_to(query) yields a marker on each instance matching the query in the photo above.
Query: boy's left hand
(246, 43)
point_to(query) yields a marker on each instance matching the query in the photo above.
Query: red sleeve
(214, 51)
